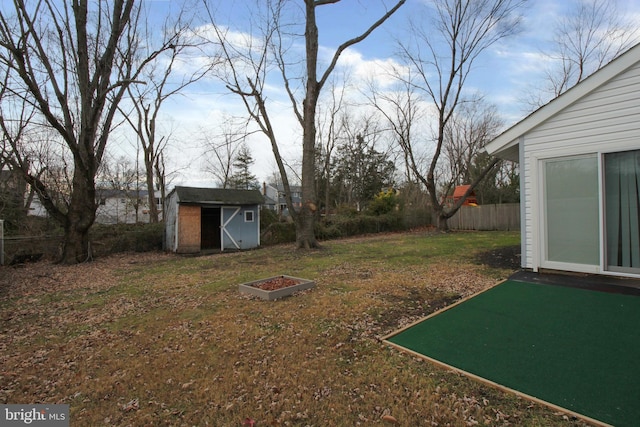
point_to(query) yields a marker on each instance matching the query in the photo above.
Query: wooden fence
(504, 217)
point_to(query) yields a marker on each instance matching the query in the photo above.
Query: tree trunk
(305, 222)
(76, 247)
(327, 197)
(151, 197)
(442, 220)
(161, 181)
(305, 230)
(80, 217)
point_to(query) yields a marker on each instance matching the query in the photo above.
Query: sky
(503, 74)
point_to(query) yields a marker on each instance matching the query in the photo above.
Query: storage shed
(579, 161)
(198, 219)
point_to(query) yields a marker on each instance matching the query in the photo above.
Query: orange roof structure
(459, 191)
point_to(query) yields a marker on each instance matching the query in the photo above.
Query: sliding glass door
(571, 212)
(576, 236)
(622, 211)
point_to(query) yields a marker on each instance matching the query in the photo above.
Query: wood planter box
(254, 289)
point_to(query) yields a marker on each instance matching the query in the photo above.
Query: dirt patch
(407, 309)
(276, 283)
(507, 257)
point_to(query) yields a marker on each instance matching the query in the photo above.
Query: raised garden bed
(276, 287)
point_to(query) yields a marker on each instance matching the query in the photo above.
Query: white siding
(605, 120)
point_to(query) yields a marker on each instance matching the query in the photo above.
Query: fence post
(1, 241)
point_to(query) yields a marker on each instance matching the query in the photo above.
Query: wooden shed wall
(189, 229)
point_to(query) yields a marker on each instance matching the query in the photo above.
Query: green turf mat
(575, 348)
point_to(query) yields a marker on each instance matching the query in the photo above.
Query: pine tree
(243, 179)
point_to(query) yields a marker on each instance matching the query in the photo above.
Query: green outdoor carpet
(574, 348)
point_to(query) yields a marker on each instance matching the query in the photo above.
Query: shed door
(228, 240)
(210, 228)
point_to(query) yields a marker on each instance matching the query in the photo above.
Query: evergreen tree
(360, 172)
(243, 179)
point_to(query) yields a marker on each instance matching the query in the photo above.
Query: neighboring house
(270, 197)
(579, 161)
(198, 219)
(36, 208)
(114, 206)
(121, 206)
(276, 193)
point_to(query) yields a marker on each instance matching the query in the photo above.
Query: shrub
(32, 226)
(325, 230)
(267, 217)
(109, 239)
(335, 227)
(417, 217)
(347, 211)
(278, 232)
(383, 203)
(342, 226)
(44, 239)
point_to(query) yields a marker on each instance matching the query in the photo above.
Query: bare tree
(120, 179)
(441, 57)
(328, 130)
(500, 185)
(247, 79)
(402, 110)
(162, 83)
(220, 150)
(12, 130)
(62, 58)
(161, 176)
(472, 126)
(592, 34)
(13, 206)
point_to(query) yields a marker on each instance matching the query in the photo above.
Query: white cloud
(377, 70)
(503, 75)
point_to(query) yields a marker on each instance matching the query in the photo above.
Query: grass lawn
(158, 339)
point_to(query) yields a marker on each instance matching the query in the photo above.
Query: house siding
(605, 120)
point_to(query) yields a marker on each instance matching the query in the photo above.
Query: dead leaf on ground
(390, 419)
(133, 405)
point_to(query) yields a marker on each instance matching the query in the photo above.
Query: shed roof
(218, 196)
(506, 144)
